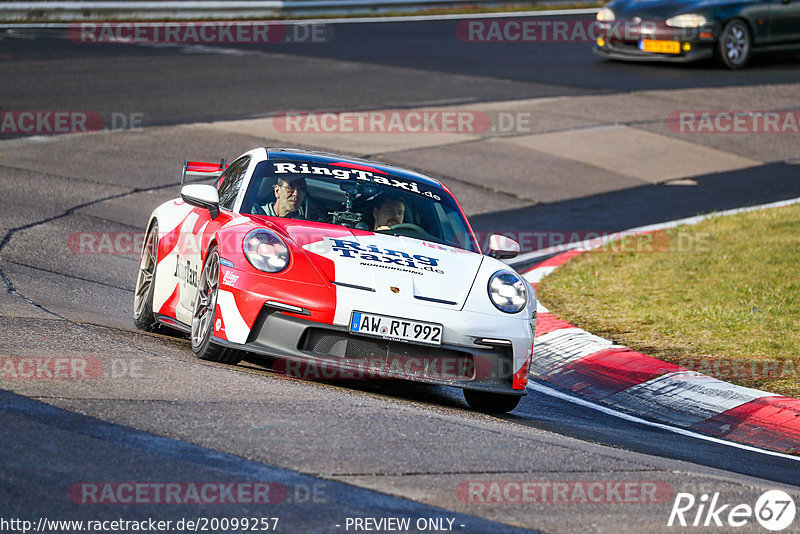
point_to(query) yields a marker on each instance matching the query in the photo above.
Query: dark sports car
(688, 30)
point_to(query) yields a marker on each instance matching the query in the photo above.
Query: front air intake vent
(390, 356)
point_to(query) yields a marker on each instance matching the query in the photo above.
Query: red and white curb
(634, 383)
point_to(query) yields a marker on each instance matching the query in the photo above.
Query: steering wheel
(412, 229)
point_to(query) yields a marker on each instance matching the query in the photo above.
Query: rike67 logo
(774, 510)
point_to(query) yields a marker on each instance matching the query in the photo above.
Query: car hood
(398, 267)
(659, 9)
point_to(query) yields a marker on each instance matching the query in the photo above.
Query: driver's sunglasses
(291, 190)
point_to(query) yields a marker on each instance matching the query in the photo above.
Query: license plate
(660, 47)
(396, 328)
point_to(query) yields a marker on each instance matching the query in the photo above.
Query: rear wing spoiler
(202, 169)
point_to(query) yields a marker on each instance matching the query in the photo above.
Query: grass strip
(720, 297)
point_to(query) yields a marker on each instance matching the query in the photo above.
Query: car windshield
(357, 196)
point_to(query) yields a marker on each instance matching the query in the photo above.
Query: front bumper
(312, 350)
(627, 53)
(623, 40)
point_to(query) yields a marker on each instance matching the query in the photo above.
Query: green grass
(721, 297)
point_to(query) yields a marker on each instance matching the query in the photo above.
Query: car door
(785, 22)
(197, 231)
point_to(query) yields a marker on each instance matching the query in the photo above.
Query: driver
(389, 212)
(291, 202)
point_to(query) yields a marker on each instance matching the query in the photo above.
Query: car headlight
(265, 250)
(605, 15)
(687, 21)
(507, 292)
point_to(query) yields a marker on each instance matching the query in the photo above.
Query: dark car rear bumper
(316, 351)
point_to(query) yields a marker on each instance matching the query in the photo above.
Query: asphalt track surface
(377, 449)
(357, 66)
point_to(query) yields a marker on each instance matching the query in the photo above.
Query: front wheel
(203, 316)
(734, 45)
(143, 316)
(486, 402)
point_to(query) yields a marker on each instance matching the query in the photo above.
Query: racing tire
(494, 403)
(143, 316)
(735, 45)
(203, 316)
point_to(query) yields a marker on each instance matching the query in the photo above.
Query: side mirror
(202, 196)
(502, 247)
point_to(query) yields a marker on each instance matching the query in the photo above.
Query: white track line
(535, 386)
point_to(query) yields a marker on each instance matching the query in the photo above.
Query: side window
(231, 181)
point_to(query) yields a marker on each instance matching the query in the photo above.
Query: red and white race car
(339, 268)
